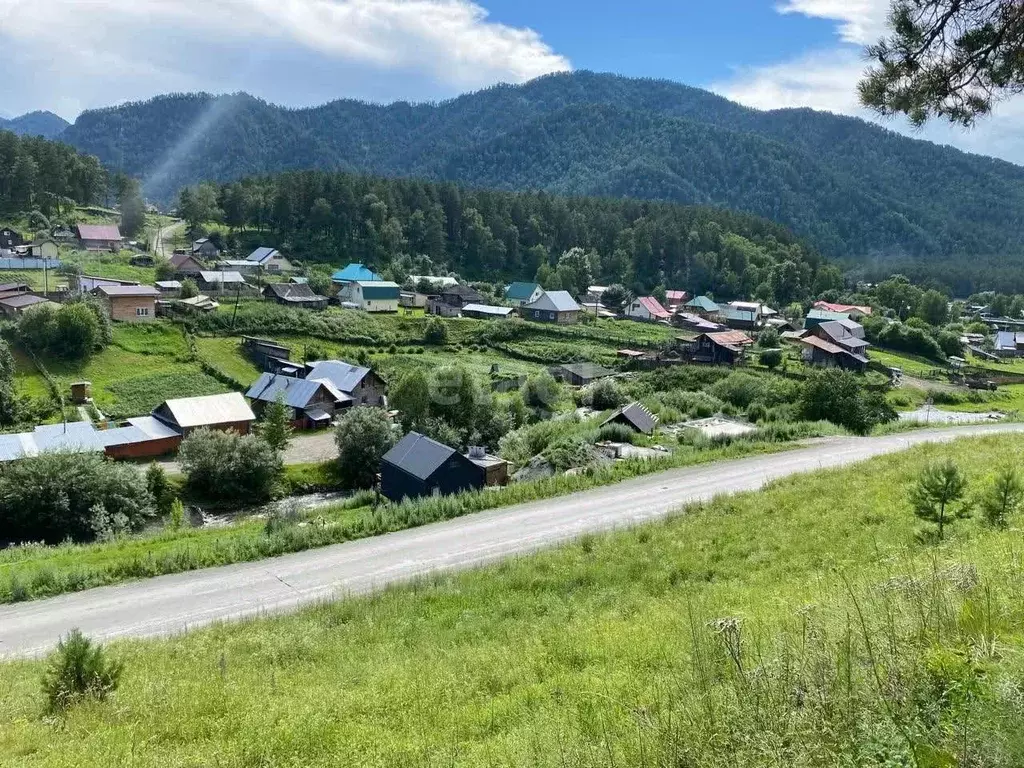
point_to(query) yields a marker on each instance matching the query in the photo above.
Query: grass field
(800, 626)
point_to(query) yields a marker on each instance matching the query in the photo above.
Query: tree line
(419, 227)
(36, 174)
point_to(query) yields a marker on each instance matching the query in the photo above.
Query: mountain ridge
(855, 189)
(38, 123)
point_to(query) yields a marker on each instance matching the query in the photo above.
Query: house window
(551, 315)
(142, 311)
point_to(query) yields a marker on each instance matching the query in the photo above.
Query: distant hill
(45, 124)
(854, 189)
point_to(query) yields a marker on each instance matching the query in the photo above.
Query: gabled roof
(344, 376)
(22, 300)
(13, 287)
(731, 338)
(295, 292)
(355, 272)
(464, 292)
(745, 306)
(845, 332)
(263, 255)
(168, 285)
(228, 278)
(742, 315)
(211, 410)
(703, 303)
(141, 291)
(98, 232)
(824, 314)
(296, 393)
(520, 291)
(379, 289)
(587, 370)
(653, 306)
(486, 309)
(676, 297)
(844, 308)
(418, 455)
(555, 301)
(637, 415)
(181, 258)
(1008, 339)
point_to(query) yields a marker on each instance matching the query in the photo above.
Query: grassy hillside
(800, 626)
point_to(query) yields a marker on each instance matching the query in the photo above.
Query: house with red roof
(648, 309)
(99, 237)
(854, 311)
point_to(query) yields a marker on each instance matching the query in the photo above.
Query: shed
(636, 417)
(295, 295)
(580, 374)
(495, 468)
(418, 466)
(487, 312)
(227, 413)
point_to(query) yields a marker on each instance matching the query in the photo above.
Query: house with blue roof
(269, 260)
(354, 273)
(818, 316)
(519, 294)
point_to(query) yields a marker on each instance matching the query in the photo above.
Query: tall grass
(799, 626)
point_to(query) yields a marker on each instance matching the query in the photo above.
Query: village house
(142, 437)
(205, 249)
(739, 319)
(269, 260)
(221, 282)
(580, 374)
(295, 295)
(372, 296)
(495, 469)
(553, 307)
(346, 278)
(99, 237)
(720, 347)
(129, 303)
(818, 316)
(224, 413)
(487, 312)
(418, 466)
(168, 287)
(186, 264)
(361, 385)
(519, 294)
(312, 403)
(836, 343)
(675, 299)
(9, 240)
(1009, 344)
(702, 306)
(18, 304)
(450, 301)
(695, 322)
(853, 311)
(648, 309)
(43, 249)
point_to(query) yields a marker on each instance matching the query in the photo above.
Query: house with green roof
(703, 306)
(519, 294)
(372, 296)
(818, 316)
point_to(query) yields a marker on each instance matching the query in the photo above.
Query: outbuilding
(99, 237)
(636, 417)
(225, 413)
(295, 295)
(130, 303)
(418, 466)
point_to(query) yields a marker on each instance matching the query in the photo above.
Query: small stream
(216, 516)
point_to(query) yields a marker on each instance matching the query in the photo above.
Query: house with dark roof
(269, 260)
(418, 466)
(739, 319)
(12, 306)
(9, 239)
(648, 309)
(312, 403)
(818, 316)
(721, 347)
(220, 282)
(580, 374)
(361, 385)
(450, 301)
(294, 295)
(186, 264)
(129, 303)
(553, 307)
(836, 343)
(636, 417)
(518, 293)
(204, 248)
(99, 237)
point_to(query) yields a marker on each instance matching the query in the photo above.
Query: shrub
(768, 338)
(78, 670)
(569, 453)
(435, 332)
(159, 488)
(836, 395)
(226, 466)
(771, 358)
(541, 392)
(55, 496)
(363, 436)
(616, 433)
(605, 395)
(189, 288)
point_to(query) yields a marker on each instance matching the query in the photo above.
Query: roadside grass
(35, 571)
(803, 626)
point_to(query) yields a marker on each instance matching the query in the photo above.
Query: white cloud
(141, 47)
(826, 79)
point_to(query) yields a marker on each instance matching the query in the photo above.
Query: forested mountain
(413, 226)
(36, 174)
(45, 124)
(856, 190)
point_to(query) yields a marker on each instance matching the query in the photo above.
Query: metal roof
(344, 376)
(555, 301)
(211, 410)
(521, 291)
(418, 455)
(653, 306)
(485, 309)
(355, 272)
(171, 285)
(295, 292)
(587, 370)
(735, 338)
(296, 393)
(731, 313)
(702, 302)
(824, 314)
(222, 277)
(23, 300)
(642, 419)
(98, 232)
(263, 255)
(128, 290)
(178, 259)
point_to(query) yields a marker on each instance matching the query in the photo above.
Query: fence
(16, 265)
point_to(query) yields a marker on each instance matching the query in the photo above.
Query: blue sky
(764, 53)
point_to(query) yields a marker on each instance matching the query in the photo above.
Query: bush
(363, 436)
(616, 433)
(771, 358)
(189, 288)
(541, 393)
(605, 395)
(836, 395)
(768, 338)
(78, 670)
(230, 467)
(569, 453)
(56, 496)
(435, 332)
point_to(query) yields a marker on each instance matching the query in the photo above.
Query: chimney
(477, 452)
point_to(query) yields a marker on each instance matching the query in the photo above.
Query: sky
(763, 53)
